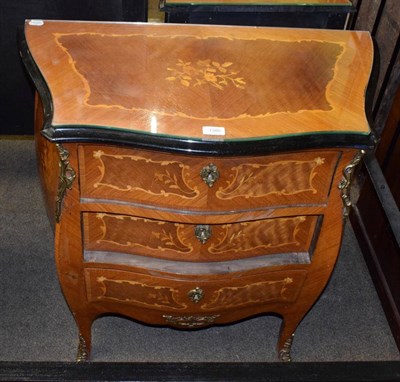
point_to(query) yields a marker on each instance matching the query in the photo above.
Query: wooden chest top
(186, 80)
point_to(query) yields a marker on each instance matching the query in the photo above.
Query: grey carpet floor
(346, 324)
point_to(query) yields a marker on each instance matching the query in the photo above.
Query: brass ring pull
(209, 174)
(196, 294)
(203, 232)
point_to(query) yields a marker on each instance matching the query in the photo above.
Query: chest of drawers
(196, 176)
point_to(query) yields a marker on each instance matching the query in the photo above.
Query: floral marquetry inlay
(263, 234)
(287, 177)
(139, 293)
(132, 232)
(261, 292)
(137, 173)
(206, 72)
(114, 234)
(199, 77)
(211, 165)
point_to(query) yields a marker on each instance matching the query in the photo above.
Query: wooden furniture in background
(377, 218)
(192, 188)
(328, 14)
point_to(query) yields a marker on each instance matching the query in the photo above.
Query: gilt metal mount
(66, 178)
(209, 174)
(284, 353)
(344, 184)
(202, 232)
(196, 294)
(83, 354)
(190, 321)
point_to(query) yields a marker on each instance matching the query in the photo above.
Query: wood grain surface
(88, 247)
(272, 223)
(174, 80)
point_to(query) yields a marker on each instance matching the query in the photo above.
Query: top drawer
(176, 181)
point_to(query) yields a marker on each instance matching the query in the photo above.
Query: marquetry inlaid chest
(196, 175)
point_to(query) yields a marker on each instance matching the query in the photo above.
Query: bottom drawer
(192, 294)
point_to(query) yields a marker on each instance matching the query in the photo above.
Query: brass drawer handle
(196, 294)
(203, 232)
(209, 174)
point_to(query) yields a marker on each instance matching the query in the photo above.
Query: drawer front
(229, 184)
(192, 295)
(113, 234)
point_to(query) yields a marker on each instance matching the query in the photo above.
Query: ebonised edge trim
(36, 76)
(74, 134)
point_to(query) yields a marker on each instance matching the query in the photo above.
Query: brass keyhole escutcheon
(203, 232)
(209, 174)
(196, 294)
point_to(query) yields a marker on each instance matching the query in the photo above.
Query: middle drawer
(111, 234)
